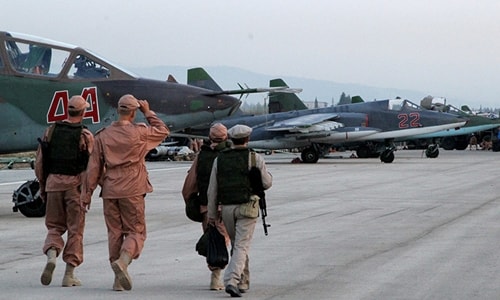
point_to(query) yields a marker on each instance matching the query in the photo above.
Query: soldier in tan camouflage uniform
(230, 186)
(196, 182)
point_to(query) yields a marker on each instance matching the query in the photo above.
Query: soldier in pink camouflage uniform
(118, 165)
(60, 169)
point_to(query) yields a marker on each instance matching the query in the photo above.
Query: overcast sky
(446, 48)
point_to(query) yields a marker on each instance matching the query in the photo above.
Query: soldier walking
(60, 167)
(118, 165)
(230, 186)
(196, 182)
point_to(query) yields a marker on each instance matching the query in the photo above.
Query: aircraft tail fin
(171, 78)
(466, 109)
(281, 102)
(357, 99)
(351, 100)
(200, 78)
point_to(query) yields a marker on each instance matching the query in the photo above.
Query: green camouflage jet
(38, 76)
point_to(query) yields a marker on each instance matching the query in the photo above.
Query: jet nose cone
(225, 106)
(228, 103)
(224, 102)
(451, 118)
(459, 120)
(463, 119)
(235, 108)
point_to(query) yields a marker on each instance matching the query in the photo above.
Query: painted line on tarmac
(12, 183)
(169, 169)
(153, 170)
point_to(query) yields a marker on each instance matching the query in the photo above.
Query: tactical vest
(232, 176)
(206, 158)
(65, 156)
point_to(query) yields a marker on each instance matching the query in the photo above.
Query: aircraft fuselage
(38, 76)
(371, 121)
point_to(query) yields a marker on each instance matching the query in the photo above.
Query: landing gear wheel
(309, 155)
(387, 156)
(363, 152)
(432, 151)
(448, 143)
(27, 199)
(462, 145)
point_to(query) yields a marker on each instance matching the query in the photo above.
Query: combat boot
(46, 277)
(69, 278)
(244, 283)
(119, 266)
(215, 280)
(117, 286)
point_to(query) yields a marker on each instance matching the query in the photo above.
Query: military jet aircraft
(449, 139)
(455, 139)
(38, 76)
(370, 127)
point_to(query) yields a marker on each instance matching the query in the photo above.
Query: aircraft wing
(189, 135)
(339, 134)
(308, 123)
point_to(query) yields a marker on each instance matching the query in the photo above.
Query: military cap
(77, 103)
(128, 102)
(239, 131)
(218, 133)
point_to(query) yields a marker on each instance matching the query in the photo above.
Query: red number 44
(58, 106)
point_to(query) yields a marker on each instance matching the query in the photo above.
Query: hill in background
(322, 90)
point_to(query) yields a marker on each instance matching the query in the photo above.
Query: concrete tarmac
(343, 228)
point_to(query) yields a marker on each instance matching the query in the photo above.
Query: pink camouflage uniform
(63, 211)
(118, 165)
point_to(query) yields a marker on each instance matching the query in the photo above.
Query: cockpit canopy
(403, 105)
(27, 55)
